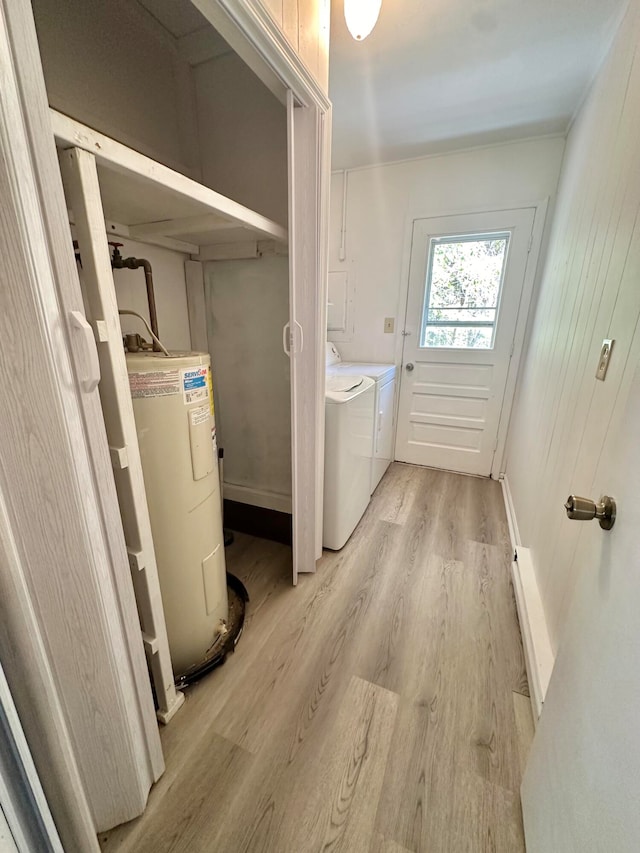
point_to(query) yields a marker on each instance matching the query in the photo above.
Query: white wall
(590, 291)
(242, 136)
(382, 202)
(169, 288)
(305, 23)
(111, 66)
(247, 306)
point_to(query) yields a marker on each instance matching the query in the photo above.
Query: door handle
(584, 509)
(91, 361)
(286, 340)
(409, 367)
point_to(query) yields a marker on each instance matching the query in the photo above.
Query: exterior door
(581, 786)
(466, 281)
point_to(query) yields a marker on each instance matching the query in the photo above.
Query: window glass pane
(461, 315)
(464, 337)
(464, 279)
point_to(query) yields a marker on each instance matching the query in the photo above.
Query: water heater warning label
(159, 383)
(195, 385)
(198, 416)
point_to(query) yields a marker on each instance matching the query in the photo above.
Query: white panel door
(466, 281)
(582, 783)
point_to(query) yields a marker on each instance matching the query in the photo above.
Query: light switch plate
(603, 360)
(389, 325)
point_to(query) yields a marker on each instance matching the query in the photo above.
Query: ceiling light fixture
(361, 16)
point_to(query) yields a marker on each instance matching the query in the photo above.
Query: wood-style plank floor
(377, 707)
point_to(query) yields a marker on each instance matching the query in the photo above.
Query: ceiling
(442, 74)
(196, 39)
(178, 18)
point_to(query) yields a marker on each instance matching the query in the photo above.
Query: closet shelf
(146, 201)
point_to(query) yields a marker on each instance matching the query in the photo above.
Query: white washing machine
(384, 375)
(349, 426)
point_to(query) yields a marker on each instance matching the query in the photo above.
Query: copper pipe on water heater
(118, 263)
(151, 298)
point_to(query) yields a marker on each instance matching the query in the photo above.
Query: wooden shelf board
(138, 191)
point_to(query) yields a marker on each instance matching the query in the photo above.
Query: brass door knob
(584, 509)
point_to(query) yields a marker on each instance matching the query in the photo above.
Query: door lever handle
(584, 509)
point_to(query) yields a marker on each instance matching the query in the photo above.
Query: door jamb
(521, 336)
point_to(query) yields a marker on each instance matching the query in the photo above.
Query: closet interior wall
(242, 138)
(247, 307)
(158, 79)
(184, 98)
(113, 67)
(133, 94)
(170, 292)
(243, 143)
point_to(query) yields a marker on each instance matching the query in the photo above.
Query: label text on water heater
(195, 385)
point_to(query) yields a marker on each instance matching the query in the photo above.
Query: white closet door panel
(7, 844)
(54, 450)
(34, 689)
(304, 129)
(80, 177)
(322, 299)
(24, 812)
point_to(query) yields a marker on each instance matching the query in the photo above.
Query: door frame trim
(254, 35)
(528, 299)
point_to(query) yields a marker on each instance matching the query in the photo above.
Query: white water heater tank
(173, 408)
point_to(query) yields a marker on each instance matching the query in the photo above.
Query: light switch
(603, 361)
(389, 325)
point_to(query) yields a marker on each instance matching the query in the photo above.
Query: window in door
(462, 290)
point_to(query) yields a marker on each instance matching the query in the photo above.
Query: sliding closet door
(304, 333)
(57, 496)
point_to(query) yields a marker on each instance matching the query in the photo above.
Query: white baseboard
(538, 653)
(257, 497)
(512, 521)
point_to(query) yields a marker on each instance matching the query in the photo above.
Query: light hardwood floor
(377, 707)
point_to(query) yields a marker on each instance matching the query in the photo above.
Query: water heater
(173, 408)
